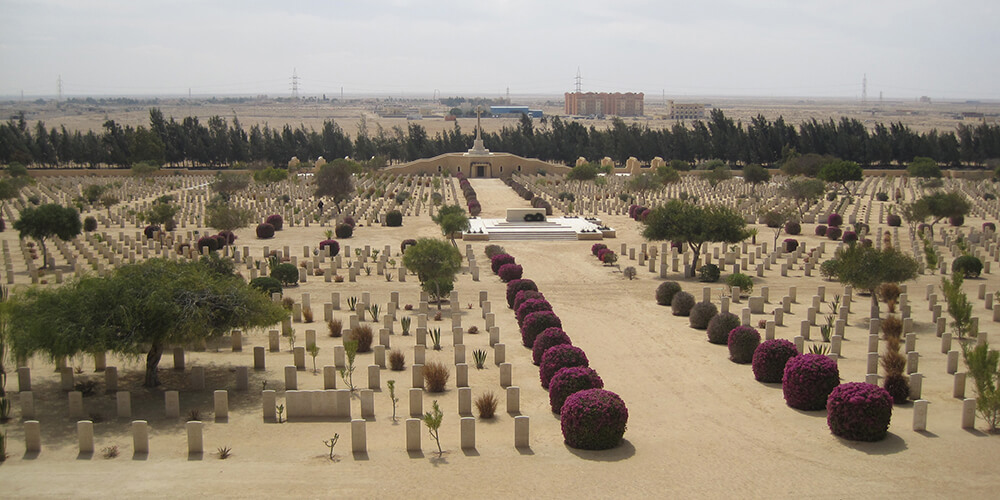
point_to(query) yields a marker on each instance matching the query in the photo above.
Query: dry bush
(435, 376)
(892, 327)
(307, 314)
(486, 404)
(893, 362)
(287, 303)
(397, 360)
(363, 335)
(889, 293)
(336, 327)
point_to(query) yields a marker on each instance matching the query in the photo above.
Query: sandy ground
(700, 426)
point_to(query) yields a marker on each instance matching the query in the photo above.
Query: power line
(295, 84)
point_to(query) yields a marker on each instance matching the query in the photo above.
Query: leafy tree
(695, 225)
(17, 170)
(984, 366)
(10, 189)
(667, 174)
(645, 181)
(867, 268)
(755, 174)
(436, 264)
(228, 184)
(47, 221)
(432, 420)
(140, 308)
(924, 168)
(93, 192)
(224, 217)
(941, 205)
(145, 169)
(680, 165)
(808, 165)
(804, 191)
(162, 212)
(334, 179)
(270, 175)
(108, 201)
(452, 219)
(776, 219)
(840, 172)
(583, 172)
(717, 174)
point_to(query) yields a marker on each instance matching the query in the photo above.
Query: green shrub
(286, 273)
(709, 273)
(394, 218)
(89, 224)
(829, 269)
(666, 291)
(682, 303)
(744, 282)
(968, 265)
(266, 284)
(701, 314)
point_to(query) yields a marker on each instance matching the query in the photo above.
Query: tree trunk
(875, 302)
(41, 243)
(152, 362)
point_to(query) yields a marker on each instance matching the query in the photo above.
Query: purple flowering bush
(510, 272)
(334, 247)
(529, 306)
(514, 286)
(834, 220)
(743, 341)
(850, 237)
(808, 380)
(833, 233)
(597, 247)
(593, 419)
(791, 244)
(499, 260)
(549, 337)
(230, 238)
(859, 411)
(265, 231)
(276, 221)
(536, 323)
(558, 357)
(211, 242)
(821, 230)
(769, 359)
(568, 381)
(525, 295)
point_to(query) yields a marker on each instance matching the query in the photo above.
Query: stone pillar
(920, 415)
(464, 401)
(367, 403)
(514, 400)
(958, 390)
(804, 329)
(198, 378)
(419, 354)
(413, 434)
(468, 433)
(273, 341)
(417, 376)
(173, 404)
(494, 335)
(178, 358)
(416, 402)
(27, 405)
(916, 384)
(75, 404)
(268, 405)
(912, 359)
(124, 404)
(339, 357)
(521, 432)
(374, 377)
(140, 437)
(329, 377)
(258, 358)
(499, 354)
(873, 343)
(66, 378)
(969, 413)
(100, 361)
(23, 379)
(85, 436)
(111, 379)
(195, 437)
(221, 400)
(299, 355)
(953, 361)
(506, 374)
(291, 378)
(379, 351)
(237, 341)
(872, 362)
(32, 436)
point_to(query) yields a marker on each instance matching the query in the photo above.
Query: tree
(667, 174)
(840, 172)
(93, 192)
(109, 200)
(452, 219)
(334, 179)
(139, 308)
(228, 184)
(804, 191)
(432, 420)
(145, 169)
(924, 168)
(940, 205)
(777, 219)
(717, 174)
(866, 268)
(10, 189)
(583, 172)
(695, 225)
(223, 217)
(643, 182)
(269, 175)
(436, 264)
(46, 221)
(162, 212)
(755, 174)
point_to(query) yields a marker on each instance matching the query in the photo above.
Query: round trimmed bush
(665, 292)
(834, 220)
(265, 231)
(682, 303)
(593, 419)
(882, 196)
(829, 268)
(701, 314)
(820, 230)
(334, 247)
(286, 273)
(344, 231)
(859, 412)
(266, 284)
(894, 220)
(967, 265)
(209, 242)
(956, 221)
(989, 226)
(743, 341)
(568, 381)
(475, 208)
(524, 295)
(850, 237)
(552, 336)
(510, 272)
(89, 224)
(791, 244)
(515, 286)
(536, 323)
(499, 260)
(406, 244)
(769, 359)
(808, 380)
(597, 247)
(898, 387)
(558, 357)
(720, 326)
(349, 221)
(228, 236)
(276, 221)
(709, 273)
(529, 306)
(394, 218)
(867, 242)
(793, 228)
(221, 240)
(833, 233)
(149, 230)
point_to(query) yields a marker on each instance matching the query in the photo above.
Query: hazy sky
(908, 48)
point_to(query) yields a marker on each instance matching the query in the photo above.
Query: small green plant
(330, 443)
(352, 302)
(821, 349)
(347, 372)
(313, 351)
(825, 331)
(404, 323)
(479, 355)
(983, 366)
(194, 415)
(368, 270)
(328, 233)
(373, 310)
(281, 411)
(392, 397)
(225, 452)
(930, 254)
(109, 452)
(291, 339)
(959, 307)
(741, 281)
(435, 334)
(432, 420)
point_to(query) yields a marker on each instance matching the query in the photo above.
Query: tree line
(220, 142)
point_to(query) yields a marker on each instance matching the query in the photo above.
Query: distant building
(603, 103)
(685, 111)
(515, 111)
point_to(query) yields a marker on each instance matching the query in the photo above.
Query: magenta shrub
(821, 230)
(596, 247)
(409, 242)
(549, 337)
(515, 286)
(475, 208)
(229, 237)
(557, 357)
(529, 306)
(149, 230)
(276, 221)
(957, 220)
(593, 419)
(893, 220)
(859, 411)
(743, 341)
(334, 247)
(791, 244)
(536, 323)
(769, 359)
(568, 381)
(265, 231)
(808, 380)
(208, 241)
(524, 295)
(833, 233)
(510, 272)
(602, 252)
(499, 260)
(349, 221)
(989, 226)
(850, 237)
(834, 220)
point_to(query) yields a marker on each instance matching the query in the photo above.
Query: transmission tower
(864, 89)
(59, 88)
(579, 80)
(295, 84)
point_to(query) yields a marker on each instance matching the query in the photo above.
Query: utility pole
(579, 80)
(295, 84)
(864, 89)
(59, 88)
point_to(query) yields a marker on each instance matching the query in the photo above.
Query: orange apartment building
(603, 103)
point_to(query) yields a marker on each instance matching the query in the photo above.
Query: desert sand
(699, 425)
